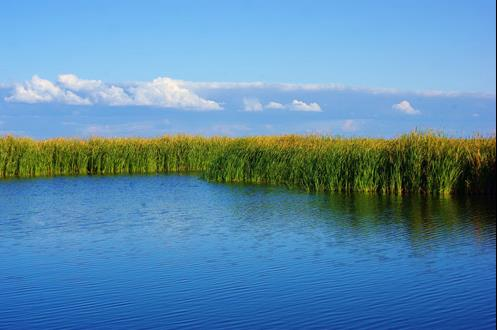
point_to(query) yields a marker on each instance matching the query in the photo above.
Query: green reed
(419, 163)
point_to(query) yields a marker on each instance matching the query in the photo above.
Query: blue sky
(374, 68)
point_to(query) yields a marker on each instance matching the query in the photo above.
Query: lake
(179, 252)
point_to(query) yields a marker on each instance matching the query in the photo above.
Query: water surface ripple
(178, 252)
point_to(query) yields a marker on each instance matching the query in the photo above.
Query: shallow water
(176, 251)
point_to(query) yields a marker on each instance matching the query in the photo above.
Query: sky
(218, 67)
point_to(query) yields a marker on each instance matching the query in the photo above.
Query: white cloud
(72, 82)
(252, 105)
(161, 92)
(275, 106)
(39, 90)
(169, 93)
(406, 107)
(112, 95)
(305, 107)
(99, 92)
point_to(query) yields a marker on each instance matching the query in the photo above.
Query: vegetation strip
(413, 163)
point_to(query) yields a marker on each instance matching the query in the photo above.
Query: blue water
(178, 252)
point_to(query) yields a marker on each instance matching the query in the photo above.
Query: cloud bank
(202, 86)
(39, 90)
(162, 92)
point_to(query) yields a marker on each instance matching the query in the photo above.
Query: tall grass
(415, 163)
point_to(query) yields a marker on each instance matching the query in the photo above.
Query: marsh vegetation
(413, 163)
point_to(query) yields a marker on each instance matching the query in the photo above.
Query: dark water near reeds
(178, 252)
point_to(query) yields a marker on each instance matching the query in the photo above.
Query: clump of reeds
(420, 163)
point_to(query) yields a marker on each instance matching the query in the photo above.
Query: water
(178, 252)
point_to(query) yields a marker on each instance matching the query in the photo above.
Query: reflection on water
(422, 219)
(175, 251)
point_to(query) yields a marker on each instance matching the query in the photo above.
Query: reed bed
(413, 163)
